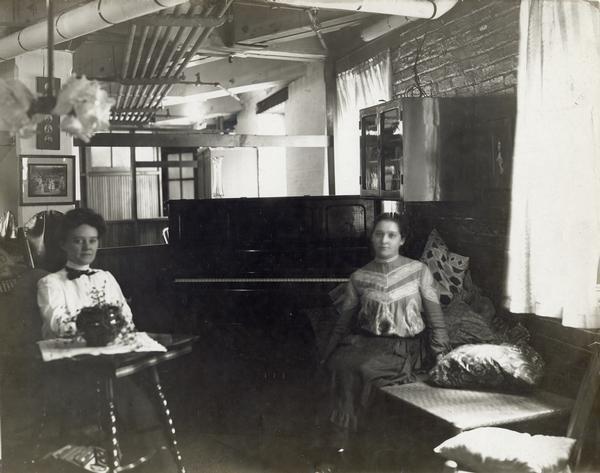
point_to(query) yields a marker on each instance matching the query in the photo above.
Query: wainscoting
(131, 233)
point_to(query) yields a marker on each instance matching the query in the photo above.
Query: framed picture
(501, 150)
(47, 180)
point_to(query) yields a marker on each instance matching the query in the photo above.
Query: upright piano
(244, 270)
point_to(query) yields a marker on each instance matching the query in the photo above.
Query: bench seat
(466, 409)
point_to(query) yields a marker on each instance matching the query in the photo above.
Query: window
(129, 186)
(124, 184)
(148, 184)
(179, 175)
(108, 182)
(102, 157)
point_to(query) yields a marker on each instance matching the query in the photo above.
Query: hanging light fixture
(83, 106)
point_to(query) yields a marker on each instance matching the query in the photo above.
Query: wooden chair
(41, 238)
(462, 450)
(21, 370)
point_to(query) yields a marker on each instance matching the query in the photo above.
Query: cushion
(495, 450)
(448, 268)
(505, 367)
(464, 325)
(510, 332)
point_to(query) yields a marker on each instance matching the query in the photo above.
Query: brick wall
(472, 50)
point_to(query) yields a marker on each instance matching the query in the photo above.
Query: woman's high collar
(388, 260)
(78, 267)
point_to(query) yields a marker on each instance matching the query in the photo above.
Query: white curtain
(362, 86)
(554, 244)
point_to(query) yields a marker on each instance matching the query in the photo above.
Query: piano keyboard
(257, 280)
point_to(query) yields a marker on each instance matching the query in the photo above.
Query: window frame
(166, 179)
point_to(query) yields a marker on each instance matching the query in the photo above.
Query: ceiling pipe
(381, 27)
(92, 16)
(429, 9)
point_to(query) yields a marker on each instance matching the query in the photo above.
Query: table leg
(113, 448)
(168, 422)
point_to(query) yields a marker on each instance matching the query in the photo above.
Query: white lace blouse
(61, 299)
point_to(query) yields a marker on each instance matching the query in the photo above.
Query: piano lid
(287, 237)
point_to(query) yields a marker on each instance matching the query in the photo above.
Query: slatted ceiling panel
(110, 195)
(148, 193)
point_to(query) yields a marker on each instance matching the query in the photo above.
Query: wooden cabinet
(382, 150)
(436, 149)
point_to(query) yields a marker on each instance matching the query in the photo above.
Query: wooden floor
(231, 416)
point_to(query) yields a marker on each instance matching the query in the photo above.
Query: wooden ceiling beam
(237, 52)
(134, 110)
(307, 50)
(180, 20)
(201, 139)
(306, 31)
(282, 26)
(272, 100)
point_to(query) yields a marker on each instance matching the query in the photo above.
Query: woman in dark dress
(383, 309)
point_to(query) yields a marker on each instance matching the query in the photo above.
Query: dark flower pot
(100, 325)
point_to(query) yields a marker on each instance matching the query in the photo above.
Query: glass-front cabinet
(381, 156)
(437, 149)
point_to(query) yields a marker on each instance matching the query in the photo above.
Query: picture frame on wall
(501, 151)
(47, 180)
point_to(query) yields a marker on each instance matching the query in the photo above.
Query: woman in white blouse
(63, 294)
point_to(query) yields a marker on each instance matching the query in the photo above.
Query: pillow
(464, 325)
(448, 268)
(508, 332)
(495, 450)
(489, 366)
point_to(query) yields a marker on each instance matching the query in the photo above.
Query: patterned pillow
(464, 325)
(485, 365)
(502, 450)
(448, 268)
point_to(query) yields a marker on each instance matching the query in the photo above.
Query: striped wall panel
(110, 195)
(148, 195)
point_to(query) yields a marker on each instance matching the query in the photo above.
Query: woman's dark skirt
(362, 362)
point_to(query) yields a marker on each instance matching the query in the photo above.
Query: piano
(245, 271)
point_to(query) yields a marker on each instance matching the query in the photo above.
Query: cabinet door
(392, 150)
(438, 142)
(370, 164)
